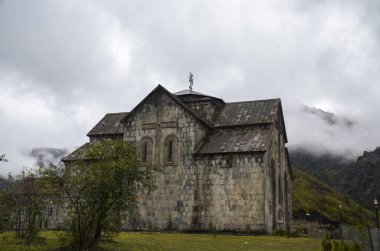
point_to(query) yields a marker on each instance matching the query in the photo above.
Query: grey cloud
(63, 64)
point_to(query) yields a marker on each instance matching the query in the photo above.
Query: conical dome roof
(190, 92)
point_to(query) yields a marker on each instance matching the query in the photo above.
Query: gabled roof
(108, 125)
(172, 97)
(77, 154)
(247, 113)
(283, 122)
(236, 127)
(234, 141)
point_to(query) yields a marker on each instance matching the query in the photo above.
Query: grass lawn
(183, 242)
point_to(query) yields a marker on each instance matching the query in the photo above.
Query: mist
(64, 64)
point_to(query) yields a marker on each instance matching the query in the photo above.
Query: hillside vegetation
(314, 196)
(358, 179)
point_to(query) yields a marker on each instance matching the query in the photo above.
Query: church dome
(190, 95)
(190, 92)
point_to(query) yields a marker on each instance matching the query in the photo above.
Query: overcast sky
(64, 64)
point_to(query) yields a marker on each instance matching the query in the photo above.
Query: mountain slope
(359, 179)
(315, 197)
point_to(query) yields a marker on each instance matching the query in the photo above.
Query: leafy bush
(248, 228)
(150, 227)
(326, 244)
(112, 227)
(343, 246)
(11, 239)
(280, 232)
(169, 225)
(105, 180)
(212, 229)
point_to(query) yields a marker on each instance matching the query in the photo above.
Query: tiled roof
(108, 125)
(247, 113)
(232, 141)
(77, 154)
(231, 115)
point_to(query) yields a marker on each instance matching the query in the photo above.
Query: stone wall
(173, 200)
(54, 216)
(278, 177)
(230, 192)
(205, 109)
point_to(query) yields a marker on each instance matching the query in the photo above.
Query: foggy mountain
(358, 179)
(46, 155)
(329, 117)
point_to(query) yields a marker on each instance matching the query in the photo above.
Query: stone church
(224, 164)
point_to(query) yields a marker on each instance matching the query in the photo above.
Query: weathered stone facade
(223, 164)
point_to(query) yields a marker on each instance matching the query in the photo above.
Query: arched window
(171, 150)
(146, 150)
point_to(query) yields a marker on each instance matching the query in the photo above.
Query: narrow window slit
(145, 152)
(170, 151)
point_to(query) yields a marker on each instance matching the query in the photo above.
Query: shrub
(212, 229)
(150, 227)
(280, 232)
(169, 225)
(111, 178)
(343, 246)
(248, 228)
(326, 243)
(355, 247)
(111, 227)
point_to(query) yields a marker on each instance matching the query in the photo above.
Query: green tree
(22, 204)
(5, 205)
(104, 181)
(4, 216)
(29, 200)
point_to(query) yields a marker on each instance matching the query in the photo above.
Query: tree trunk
(18, 224)
(98, 231)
